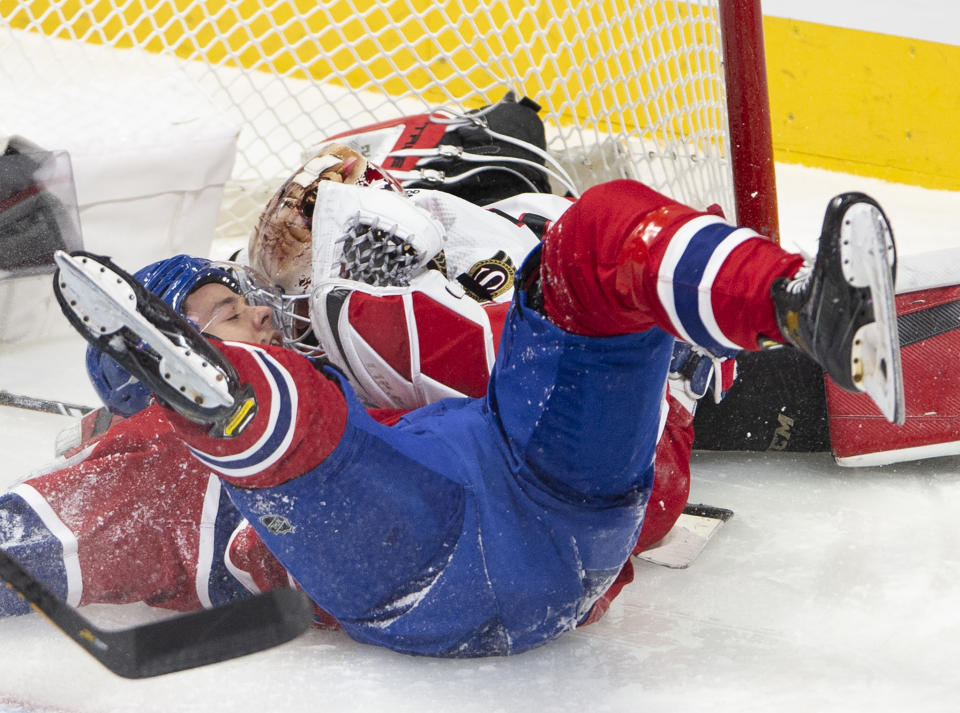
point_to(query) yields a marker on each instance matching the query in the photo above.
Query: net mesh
(629, 88)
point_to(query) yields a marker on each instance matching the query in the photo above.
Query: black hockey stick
(175, 644)
(701, 510)
(92, 421)
(45, 405)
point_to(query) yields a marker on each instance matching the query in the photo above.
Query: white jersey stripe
(205, 545)
(705, 303)
(671, 259)
(241, 575)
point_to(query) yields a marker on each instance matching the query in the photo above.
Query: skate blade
(103, 303)
(876, 365)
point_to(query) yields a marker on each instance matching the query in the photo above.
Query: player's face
(220, 311)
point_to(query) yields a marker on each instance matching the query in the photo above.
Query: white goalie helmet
(331, 208)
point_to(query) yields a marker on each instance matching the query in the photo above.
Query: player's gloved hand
(694, 371)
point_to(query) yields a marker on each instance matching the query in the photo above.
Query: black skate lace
(377, 256)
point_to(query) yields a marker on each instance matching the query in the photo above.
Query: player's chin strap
(553, 169)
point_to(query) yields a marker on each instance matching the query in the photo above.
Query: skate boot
(841, 310)
(119, 316)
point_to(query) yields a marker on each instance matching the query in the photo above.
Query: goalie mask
(280, 246)
(360, 236)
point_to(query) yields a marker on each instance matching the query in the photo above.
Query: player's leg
(625, 258)
(668, 497)
(359, 514)
(583, 413)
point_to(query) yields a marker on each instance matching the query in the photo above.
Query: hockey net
(629, 88)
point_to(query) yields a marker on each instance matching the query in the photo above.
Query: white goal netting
(628, 88)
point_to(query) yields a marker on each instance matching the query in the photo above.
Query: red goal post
(670, 92)
(748, 116)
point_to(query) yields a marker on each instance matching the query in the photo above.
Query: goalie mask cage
(669, 92)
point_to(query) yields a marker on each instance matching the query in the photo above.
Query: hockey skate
(841, 310)
(119, 316)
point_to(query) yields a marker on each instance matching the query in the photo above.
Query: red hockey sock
(741, 291)
(593, 284)
(613, 258)
(301, 415)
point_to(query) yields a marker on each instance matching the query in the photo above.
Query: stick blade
(684, 543)
(186, 641)
(211, 636)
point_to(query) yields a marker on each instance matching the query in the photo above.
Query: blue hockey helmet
(172, 280)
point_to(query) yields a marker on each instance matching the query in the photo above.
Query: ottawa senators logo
(488, 279)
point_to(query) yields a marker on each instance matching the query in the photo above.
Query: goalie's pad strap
(928, 323)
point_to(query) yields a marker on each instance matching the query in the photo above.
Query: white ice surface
(830, 590)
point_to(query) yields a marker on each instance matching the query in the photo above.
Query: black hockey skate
(119, 316)
(841, 311)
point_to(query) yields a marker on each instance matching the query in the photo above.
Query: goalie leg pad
(928, 323)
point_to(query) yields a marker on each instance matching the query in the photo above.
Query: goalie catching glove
(280, 246)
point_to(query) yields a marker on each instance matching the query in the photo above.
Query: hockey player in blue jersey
(131, 516)
(490, 525)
